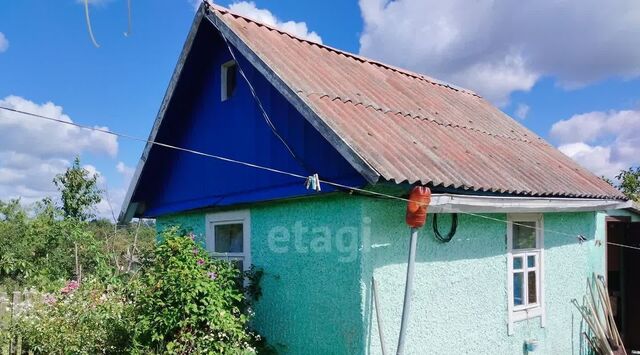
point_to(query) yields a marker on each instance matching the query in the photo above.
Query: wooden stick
(604, 292)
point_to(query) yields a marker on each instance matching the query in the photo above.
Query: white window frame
(527, 311)
(232, 217)
(224, 72)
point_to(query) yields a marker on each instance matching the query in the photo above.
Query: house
(522, 208)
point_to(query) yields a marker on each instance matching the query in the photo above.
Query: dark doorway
(623, 275)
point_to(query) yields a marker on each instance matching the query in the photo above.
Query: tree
(630, 183)
(79, 191)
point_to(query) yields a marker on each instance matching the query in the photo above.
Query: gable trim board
(496, 161)
(130, 208)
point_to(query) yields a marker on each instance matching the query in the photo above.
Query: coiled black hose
(452, 230)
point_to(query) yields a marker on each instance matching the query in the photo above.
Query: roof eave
(633, 206)
(453, 203)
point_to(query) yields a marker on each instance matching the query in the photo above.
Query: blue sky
(560, 77)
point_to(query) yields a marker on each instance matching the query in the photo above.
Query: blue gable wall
(196, 118)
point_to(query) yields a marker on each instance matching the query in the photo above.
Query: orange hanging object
(419, 200)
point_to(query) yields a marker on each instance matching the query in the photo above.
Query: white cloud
(603, 142)
(522, 111)
(126, 171)
(111, 203)
(299, 29)
(595, 158)
(496, 47)
(4, 43)
(93, 171)
(33, 151)
(47, 139)
(113, 197)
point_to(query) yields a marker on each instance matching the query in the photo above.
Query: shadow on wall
(475, 238)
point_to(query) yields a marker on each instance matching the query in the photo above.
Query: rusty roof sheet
(415, 129)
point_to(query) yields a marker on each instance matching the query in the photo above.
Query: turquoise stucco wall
(191, 222)
(460, 299)
(317, 283)
(308, 248)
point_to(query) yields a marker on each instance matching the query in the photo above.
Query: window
(228, 237)
(228, 79)
(525, 260)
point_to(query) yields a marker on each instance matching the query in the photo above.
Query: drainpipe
(419, 200)
(408, 290)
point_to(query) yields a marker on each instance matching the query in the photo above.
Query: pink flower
(195, 251)
(192, 236)
(70, 287)
(49, 299)
(200, 261)
(212, 275)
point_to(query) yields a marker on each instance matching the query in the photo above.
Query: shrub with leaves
(188, 303)
(38, 247)
(79, 191)
(630, 183)
(79, 319)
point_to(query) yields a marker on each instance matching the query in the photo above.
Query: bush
(37, 247)
(87, 319)
(188, 303)
(180, 301)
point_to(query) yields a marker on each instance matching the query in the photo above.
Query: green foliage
(124, 244)
(189, 303)
(79, 191)
(38, 248)
(630, 183)
(178, 300)
(92, 319)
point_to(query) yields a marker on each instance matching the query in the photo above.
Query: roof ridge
(373, 106)
(360, 58)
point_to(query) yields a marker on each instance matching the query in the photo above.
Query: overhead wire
(129, 25)
(282, 172)
(88, 19)
(261, 107)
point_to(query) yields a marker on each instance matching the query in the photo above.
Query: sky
(569, 71)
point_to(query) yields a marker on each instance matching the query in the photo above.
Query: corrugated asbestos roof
(411, 128)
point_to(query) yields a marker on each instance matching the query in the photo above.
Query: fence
(10, 307)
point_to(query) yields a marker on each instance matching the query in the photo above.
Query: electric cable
(452, 229)
(88, 19)
(129, 25)
(263, 112)
(282, 172)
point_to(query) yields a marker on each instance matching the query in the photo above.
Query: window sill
(528, 313)
(525, 314)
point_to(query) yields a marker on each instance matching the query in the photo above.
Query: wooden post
(5, 318)
(16, 344)
(78, 265)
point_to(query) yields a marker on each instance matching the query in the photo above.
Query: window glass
(517, 262)
(531, 285)
(524, 235)
(231, 80)
(239, 264)
(531, 261)
(518, 288)
(228, 238)
(228, 79)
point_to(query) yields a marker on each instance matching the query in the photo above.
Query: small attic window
(228, 79)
